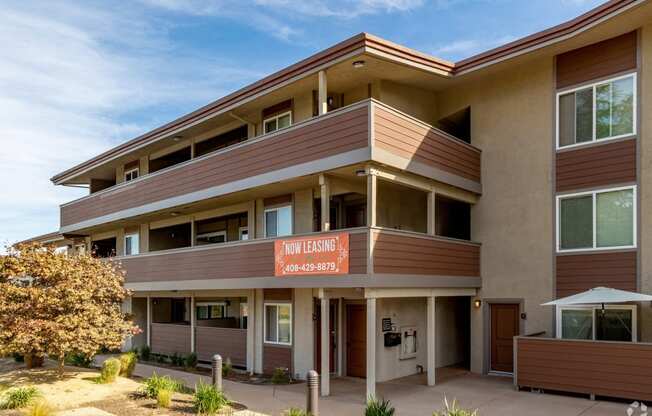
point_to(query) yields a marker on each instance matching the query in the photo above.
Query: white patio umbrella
(600, 295)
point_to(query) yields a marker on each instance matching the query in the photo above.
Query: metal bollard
(217, 371)
(312, 393)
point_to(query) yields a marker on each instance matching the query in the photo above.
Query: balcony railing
(364, 131)
(231, 265)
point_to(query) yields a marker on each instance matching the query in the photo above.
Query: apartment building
(376, 212)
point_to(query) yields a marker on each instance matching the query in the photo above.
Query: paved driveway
(492, 396)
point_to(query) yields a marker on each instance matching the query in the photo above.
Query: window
(211, 310)
(131, 244)
(243, 232)
(277, 122)
(131, 174)
(604, 110)
(611, 323)
(597, 220)
(278, 221)
(211, 238)
(278, 323)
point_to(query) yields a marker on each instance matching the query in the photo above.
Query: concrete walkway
(492, 396)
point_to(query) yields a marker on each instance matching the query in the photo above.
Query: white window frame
(131, 171)
(276, 117)
(277, 208)
(594, 194)
(214, 303)
(213, 234)
(240, 230)
(137, 237)
(595, 309)
(593, 85)
(277, 304)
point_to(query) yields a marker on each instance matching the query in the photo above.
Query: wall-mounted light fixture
(477, 303)
(361, 172)
(358, 64)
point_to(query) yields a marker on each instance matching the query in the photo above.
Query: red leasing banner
(327, 254)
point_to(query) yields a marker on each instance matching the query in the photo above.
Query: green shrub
(110, 370)
(160, 358)
(128, 363)
(145, 353)
(153, 384)
(281, 376)
(227, 367)
(78, 360)
(164, 398)
(19, 358)
(175, 359)
(208, 400)
(191, 360)
(39, 408)
(453, 409)
(293, 411)
(18, 397)
(377, 407)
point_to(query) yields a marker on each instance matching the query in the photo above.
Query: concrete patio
(492, 396)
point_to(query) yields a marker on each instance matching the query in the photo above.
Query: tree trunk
(33, 361)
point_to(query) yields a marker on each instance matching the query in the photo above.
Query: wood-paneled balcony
(365, 131)
(398, 259)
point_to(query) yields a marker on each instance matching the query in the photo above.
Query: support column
(431, 337)
(371, 348)
(149, 321)
(324, 186)
(323, 93)
(192, 323)
(372, 185)
(340, 337)
(325, 346)
(432, 230)
(251, 331)
(258, 360)
(127, 308)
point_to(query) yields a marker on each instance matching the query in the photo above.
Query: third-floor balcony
(365, 131)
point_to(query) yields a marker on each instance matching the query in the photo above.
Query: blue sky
(77, 78)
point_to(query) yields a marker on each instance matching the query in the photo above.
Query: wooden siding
(613, 369)
(579, 272)
(170, 338)
(224, 261)
(414, 140)
(415, 255)
(339, 133)
(596, 61)
(595, 166)
(276, 356)
(228, 342)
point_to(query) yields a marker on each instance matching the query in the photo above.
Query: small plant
(77, 359)
(153, 384)
(110, 370)
(160, 358)
(293, 411)
(191, 360)
(128, 363)
(208, 400)
(453, 409)
(39, 408)
(377, 407)
(227, 367)
(164, 398)
(281, 376)
(19, 358)
(175, 359)
(19, 397)
(145, 353)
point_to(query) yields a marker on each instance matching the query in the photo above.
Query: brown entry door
(504, 326)
(356, 341)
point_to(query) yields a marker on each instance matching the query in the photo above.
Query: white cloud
(70, 75)
(464, 48)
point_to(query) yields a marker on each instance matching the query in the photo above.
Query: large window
(604, 110)
(278, 323)
(131, 174)
(211, 310)
(277, 122)
(611, 323)
(131, 244)
(278, 221)
(597, 220)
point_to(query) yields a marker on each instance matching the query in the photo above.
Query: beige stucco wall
(416, 102)
(644, 192)
(303, 206)
(512, 122)
(401, 207)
